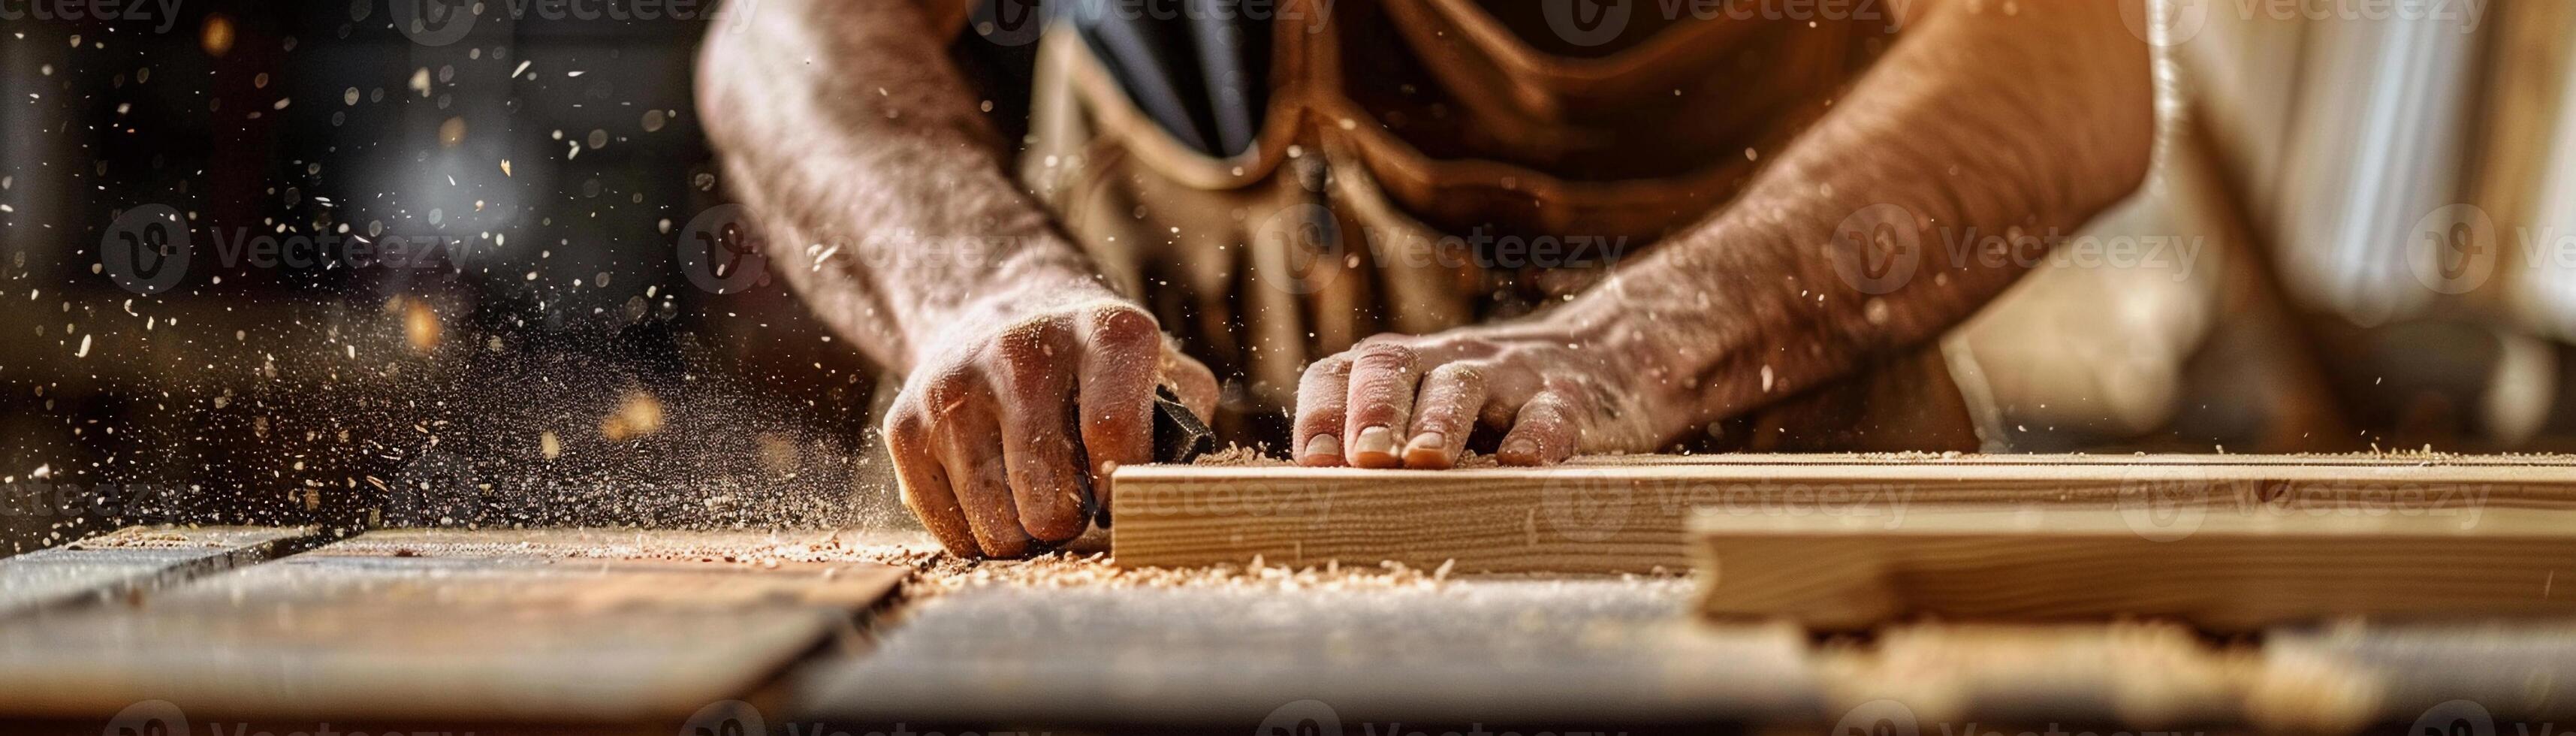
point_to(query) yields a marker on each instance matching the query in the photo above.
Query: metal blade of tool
(1179, 435)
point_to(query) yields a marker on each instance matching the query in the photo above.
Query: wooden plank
(1227, 658)
(1606, 656)
(2224, 572)
(2519, 670)
(2330, 459)
(134, 560)
(1629, 513)
(2132, 676)
(494, 627)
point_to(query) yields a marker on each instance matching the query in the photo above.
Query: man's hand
(1007, 429)
(1397, 401)
(1757, 303)
(882, 195)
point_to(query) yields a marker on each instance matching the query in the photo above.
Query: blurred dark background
(588, 342)
(551, 364)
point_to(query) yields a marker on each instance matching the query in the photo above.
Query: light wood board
(1234, 658)
(1608, 656)
(1628, 513)
(134, 560)
(2219, 571)
(495, 627)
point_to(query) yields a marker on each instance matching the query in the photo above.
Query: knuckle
(1382, 353)
(1028, 379)
(938, 393)
(1027, 341)
(1124, 327)
(1332, 367)
(919, 500)
(906, 430)
(1461, 375)
(1058, 526)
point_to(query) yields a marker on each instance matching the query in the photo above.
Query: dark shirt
(1199, 68)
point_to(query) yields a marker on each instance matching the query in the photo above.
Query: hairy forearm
(1978, 126)
(878, 187)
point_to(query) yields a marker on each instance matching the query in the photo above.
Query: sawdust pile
(1238, 456)
(1066, 570)
(899, 549)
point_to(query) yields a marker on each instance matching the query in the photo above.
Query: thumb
(1189, 378)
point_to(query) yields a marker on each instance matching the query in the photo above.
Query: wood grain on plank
(1232, 658)
(1628, 513)
(2222, 571)
(135, 560)
(455, 626)
(2510, 670)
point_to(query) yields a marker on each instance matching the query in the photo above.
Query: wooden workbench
(624, 631)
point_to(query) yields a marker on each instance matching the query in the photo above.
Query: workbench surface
(645, 632)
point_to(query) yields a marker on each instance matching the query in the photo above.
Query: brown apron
(1408, 144)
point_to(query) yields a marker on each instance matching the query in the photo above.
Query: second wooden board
(2222, 572)
(1629, 514)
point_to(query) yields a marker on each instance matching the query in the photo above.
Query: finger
(970, 453)
(1191, 379)
(1037, 451)
(1383, 377)
(1444, 415)
(1321, 394)
(1121, 352)
(925, 487)
(1544, 432)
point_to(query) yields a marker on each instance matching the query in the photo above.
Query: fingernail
(1521, 448)
(1427, 442)
(1374, 441)
(1324, 445)
(1428, 450)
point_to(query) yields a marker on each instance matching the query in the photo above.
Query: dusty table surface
(133, 561)
(611, 627)
(456, 626)
(1083, 643)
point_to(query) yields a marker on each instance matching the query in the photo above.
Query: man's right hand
(1005, 428)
